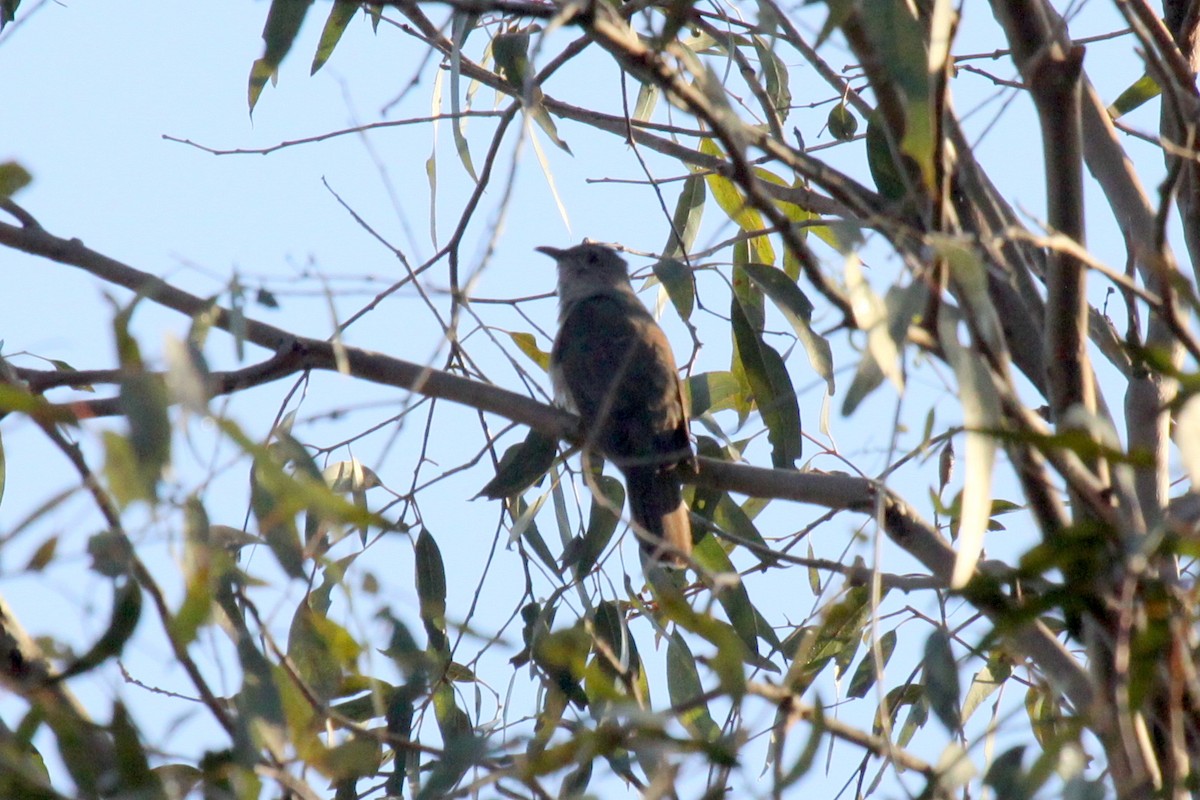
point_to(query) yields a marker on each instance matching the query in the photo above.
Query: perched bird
(612, 365)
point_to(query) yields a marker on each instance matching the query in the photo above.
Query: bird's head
(589, 263)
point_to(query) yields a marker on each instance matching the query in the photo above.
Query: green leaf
(772, 388)
(602, 524)
(733, 203)
(774, 76)
(542, 117)
(20, 400)
(275, 506)
(527, 344)
(676, 278)
(900, 46)
(969, 273)
(986, 681)
(321, 650)
(358, 757)
(283, 23)
(941, 679)
(709, 392)
(85, 752)
(981, 414)
(804, 760)
(8, 11)
(842, 124)
(729, 651)
(839, 12)
(204, 563)
(431, 591)
(733, 519)
(462, 25)
(13, 178)
(43, 555)
(685, 222)
(647, 98)
(335, 25)
(521, 466)
(1006, 777)
(889, 179)
(525, 523)
(511, 52)
(886, 324)
(135, 777)
(610, 627)
(3, 469)
(685, 690)
(462, 748)
(562, 658)
(126, 611)
(63, 366)
(868, 670)
(733, 597)
(260, 720)
(143, 400)
(918, 712)
(1143, 90)
(797, 310)
(836, 640)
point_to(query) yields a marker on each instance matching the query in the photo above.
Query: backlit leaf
(521, 466)
(335, 25)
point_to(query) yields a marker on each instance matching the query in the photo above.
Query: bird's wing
(616, 367)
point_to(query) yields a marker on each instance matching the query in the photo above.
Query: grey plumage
(613, 366)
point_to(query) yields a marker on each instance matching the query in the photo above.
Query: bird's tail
(656, 505)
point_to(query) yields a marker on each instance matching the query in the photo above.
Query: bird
(612, 365)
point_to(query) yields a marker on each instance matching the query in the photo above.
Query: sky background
(91, 90)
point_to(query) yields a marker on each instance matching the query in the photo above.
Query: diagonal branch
(295, 354)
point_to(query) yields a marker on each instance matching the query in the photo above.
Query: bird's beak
(553, 252)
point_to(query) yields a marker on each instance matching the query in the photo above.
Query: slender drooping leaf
(772, 388)
(261, 722)
(941, 679)
(676, 279)
(899, 43)
(335, 25)
(986, 681)
(981, 415)
(797, 310)
(521, 466)
(685, 222)
(775, 76)
(685, 690)
(709, 392)
(734, 598)
(869, 668)
(283, 23)
(431, 591)
(463, 24)
(126, 611)
(135, 777)
(602, 524)
(1140, 92)
(733, 203)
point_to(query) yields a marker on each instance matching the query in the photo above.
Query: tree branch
(294, 354)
